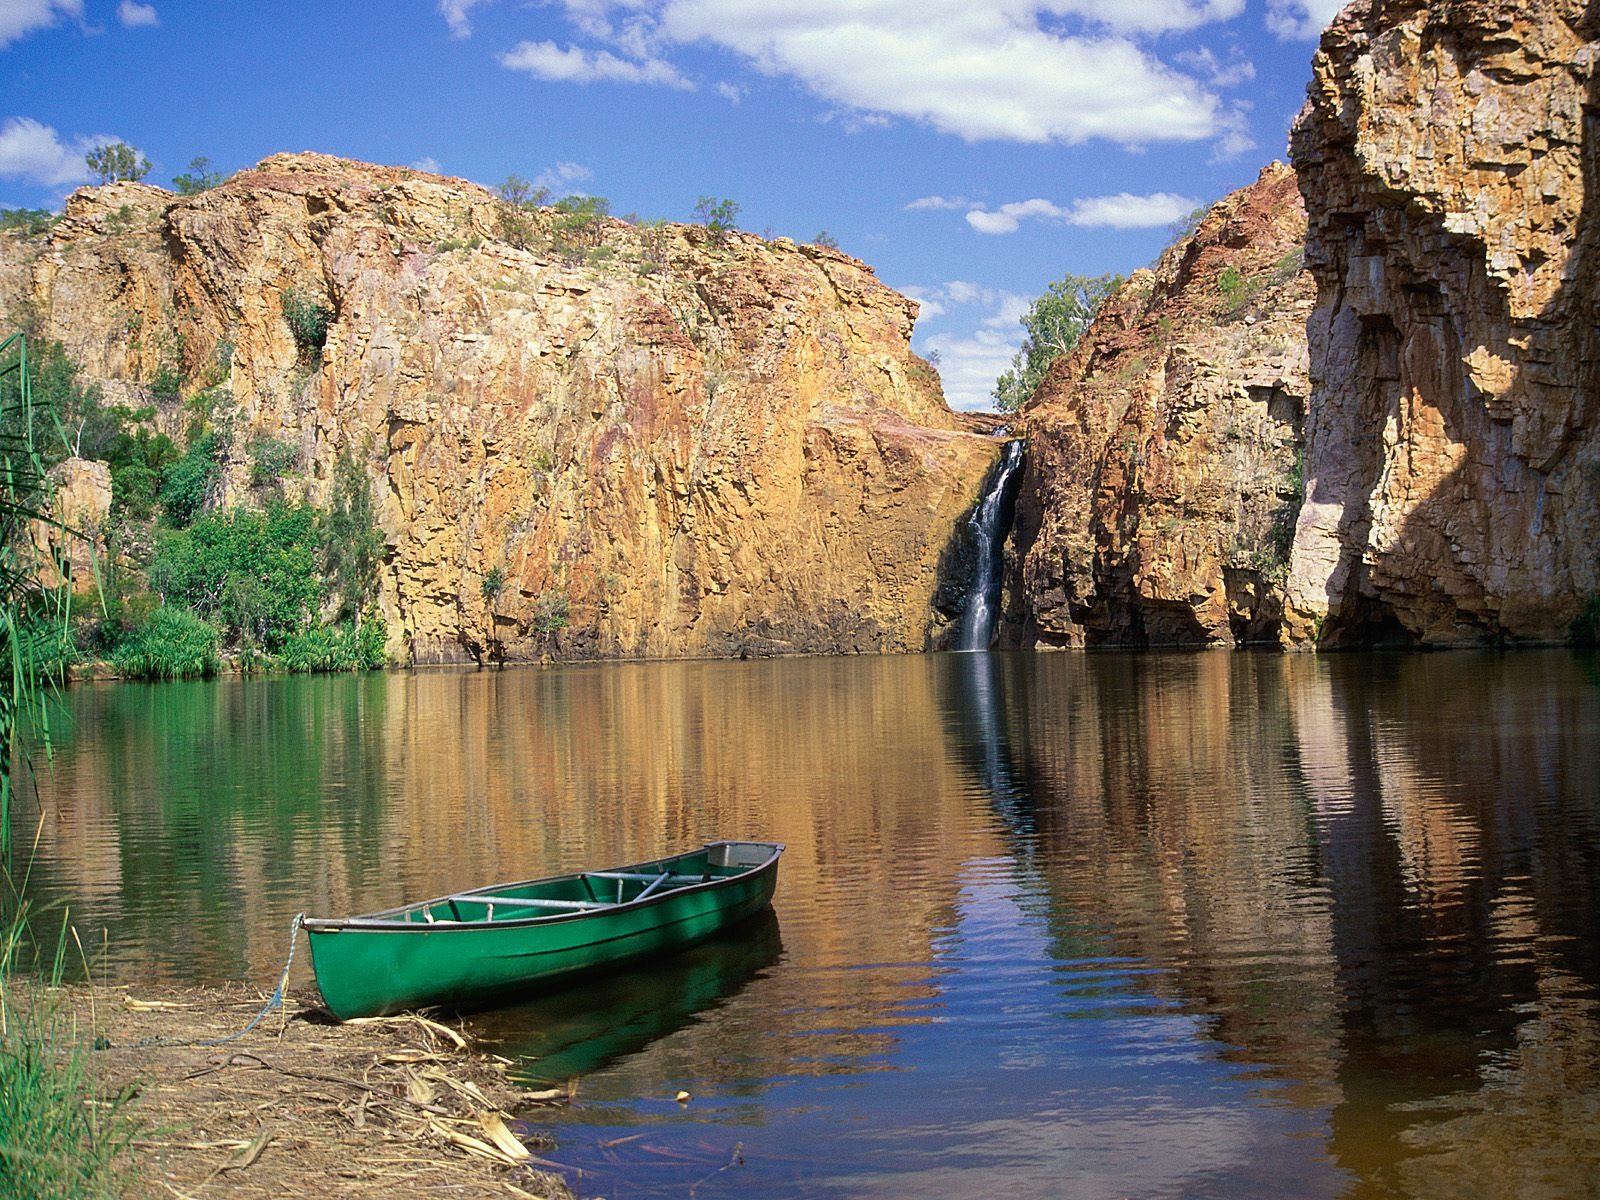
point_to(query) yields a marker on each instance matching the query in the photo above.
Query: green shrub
(346, 646)
(349, 540)
(190, 480)
(579, 224)
(60, 1135)
(718, 216)
(199, 178)
(26, 221)
(251, 573)
(271, 459)
(550, 612)
(308, 322)
(173, 644)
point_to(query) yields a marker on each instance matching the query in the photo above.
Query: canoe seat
(519, 902)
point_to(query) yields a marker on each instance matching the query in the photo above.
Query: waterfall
(989, 523)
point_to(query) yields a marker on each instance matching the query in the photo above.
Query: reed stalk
(59, 1136)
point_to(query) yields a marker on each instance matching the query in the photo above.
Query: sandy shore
(300, 1106)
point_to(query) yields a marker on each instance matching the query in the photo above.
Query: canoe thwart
(520, 902)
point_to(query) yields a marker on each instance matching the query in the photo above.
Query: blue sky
(972, 151)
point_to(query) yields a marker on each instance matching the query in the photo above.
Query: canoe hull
(377, 965)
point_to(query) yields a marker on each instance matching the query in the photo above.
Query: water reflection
(1057, 925)
(577, 1032)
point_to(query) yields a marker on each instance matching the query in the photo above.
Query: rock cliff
(1162, 480)
(1453, 470)
(664, 442)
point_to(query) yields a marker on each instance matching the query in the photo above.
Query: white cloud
(1238, 69)
(972, 355)
(1009, 217)
(1148, 16)
(18, 18)
(36, 153)
(732, 93)
(1297, 20)
(1126, 211)
(426, 163)
(1039, 71)
(1122, 211)
(456, 14)
(939, 202)
(969, 363)
(559, 179)
(137, 16)
(546, 60)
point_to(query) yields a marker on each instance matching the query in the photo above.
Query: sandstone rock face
(1162, 479)
(80, 501)
(678, 446)
(1453, 470)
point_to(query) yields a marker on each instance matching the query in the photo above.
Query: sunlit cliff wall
(699, 446)
(1453, 469)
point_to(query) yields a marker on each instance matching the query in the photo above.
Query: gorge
(1353, 406)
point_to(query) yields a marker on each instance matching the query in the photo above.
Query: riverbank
(300, 1105)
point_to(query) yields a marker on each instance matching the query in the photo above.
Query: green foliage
(550, 612)
(253, 574)
(172, 644)
(652, 246)
(200, 177)
(22, 603)
(519, 202)
(60, 1136)
(190, 482)
(118, 161)
(26, 221)
(718, 216)
(579, 224)
(1186, 227)
(493, 583)
(351, 544)
(342, 647)
(1232, 286)
(308, 320)
(826, 240)
(519, 193)
(271, 459)
(1054, 324)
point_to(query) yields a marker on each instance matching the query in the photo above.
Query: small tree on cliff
(352, 544)
(718, 216)
(1054, 323)
(199, 178)
(118, 161)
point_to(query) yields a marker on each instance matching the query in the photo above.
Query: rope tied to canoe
(274, 1001)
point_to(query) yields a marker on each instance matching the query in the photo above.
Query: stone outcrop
(1162, 479)
(663, 442)
(70, 547)
(1453, 469)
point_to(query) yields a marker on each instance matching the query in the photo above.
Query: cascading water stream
(990, 522)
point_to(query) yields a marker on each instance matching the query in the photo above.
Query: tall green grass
(172, 644)
(60, 1136)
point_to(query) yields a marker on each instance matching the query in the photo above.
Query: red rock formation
(1162, 481)
(694, 447)
(1452, 465)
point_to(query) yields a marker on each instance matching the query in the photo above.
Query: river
(1217, 924)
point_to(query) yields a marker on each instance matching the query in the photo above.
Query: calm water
(1059, 926)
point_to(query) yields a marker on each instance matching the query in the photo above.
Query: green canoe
(473, 948)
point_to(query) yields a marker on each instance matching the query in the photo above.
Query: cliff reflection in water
(1365, 888)
(1378, 876)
